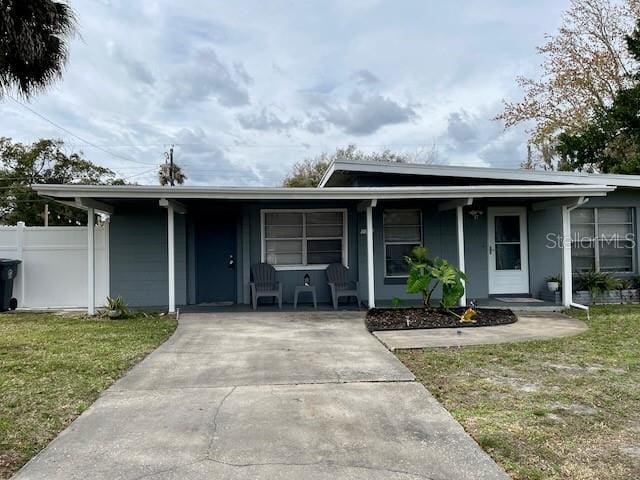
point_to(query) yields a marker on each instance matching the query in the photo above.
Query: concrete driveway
(266, 396)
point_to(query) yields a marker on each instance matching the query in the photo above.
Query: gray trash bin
(8, 271)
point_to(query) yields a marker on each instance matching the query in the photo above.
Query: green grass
(560, 409)
(53, 367)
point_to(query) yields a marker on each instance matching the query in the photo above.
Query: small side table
(305, 289)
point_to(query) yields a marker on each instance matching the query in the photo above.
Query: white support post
(567, 278)
(370, 272)
(91, 263)
(171, 258)
(461, 267)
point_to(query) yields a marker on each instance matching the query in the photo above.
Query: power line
(87, 142)
(265, 145)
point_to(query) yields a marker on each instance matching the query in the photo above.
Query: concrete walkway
(266, 396)
(530, 326)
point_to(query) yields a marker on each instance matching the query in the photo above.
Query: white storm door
(507, 250)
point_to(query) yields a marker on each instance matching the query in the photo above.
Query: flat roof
(362, 166)
(105, 192)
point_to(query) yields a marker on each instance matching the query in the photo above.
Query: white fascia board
(482, 172)
(330, 193)
(327, 175)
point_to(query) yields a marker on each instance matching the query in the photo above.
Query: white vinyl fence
(53, 272)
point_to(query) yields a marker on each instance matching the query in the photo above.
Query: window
(602, 239)
(304, 237)
(402, 232)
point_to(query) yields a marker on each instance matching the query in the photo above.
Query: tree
(43, 161)
(610, 141)
(34, 37)
(309, 172)
(585, 65)
(164, 174)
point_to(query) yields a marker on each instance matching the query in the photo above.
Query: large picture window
(602, 239)
(302, 238)
(402, 232)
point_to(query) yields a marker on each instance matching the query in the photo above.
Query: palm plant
(425, 275)
(596, 282)
(164, 174)
(34, 36)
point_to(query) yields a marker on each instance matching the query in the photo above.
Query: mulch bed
(412, 318)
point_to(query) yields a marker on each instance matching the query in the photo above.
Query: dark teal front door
(216, 258)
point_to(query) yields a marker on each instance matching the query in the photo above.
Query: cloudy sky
(245, 88)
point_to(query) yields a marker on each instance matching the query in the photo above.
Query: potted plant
(553, 283)
(116, 307)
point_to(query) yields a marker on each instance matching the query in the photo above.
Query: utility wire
(87, 142)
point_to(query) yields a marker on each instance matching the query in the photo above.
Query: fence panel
(53, 273)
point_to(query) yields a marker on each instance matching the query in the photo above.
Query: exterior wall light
(476, 213)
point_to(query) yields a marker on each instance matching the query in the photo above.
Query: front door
(216, 258)
(507, 250)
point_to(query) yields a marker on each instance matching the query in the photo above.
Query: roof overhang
(105, 192)
(509, 174)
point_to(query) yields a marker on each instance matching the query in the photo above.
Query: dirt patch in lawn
(412, 318)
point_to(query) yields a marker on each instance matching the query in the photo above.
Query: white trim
(327, 175)
(98, 207)
(567, 270)
(171, 259)
(521, 212)
(479, 172)
(461, 266)
(107, 260)
(453, 204)
(304, 211)
(334, 193)
(384, 237)
(91, 263)
(370, 269)
(177, 206)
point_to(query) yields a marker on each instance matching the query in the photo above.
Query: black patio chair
(264, 284)
(341, 286)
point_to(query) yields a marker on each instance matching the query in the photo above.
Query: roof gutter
(330, 193)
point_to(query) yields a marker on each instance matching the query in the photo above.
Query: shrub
(596, 282)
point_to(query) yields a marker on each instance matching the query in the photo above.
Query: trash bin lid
(9, 261)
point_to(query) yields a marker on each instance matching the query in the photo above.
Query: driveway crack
(215, 420)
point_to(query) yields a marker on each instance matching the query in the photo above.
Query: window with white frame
(402, 232)
(304, 237)
(602, 239)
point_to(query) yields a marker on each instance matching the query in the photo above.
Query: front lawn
(53, 367)
(555, 409)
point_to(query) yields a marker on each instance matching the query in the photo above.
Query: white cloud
(247, 88)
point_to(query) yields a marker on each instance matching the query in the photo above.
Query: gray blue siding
(138, 248)
(545, 258)
(291, 278)
(138, 257)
